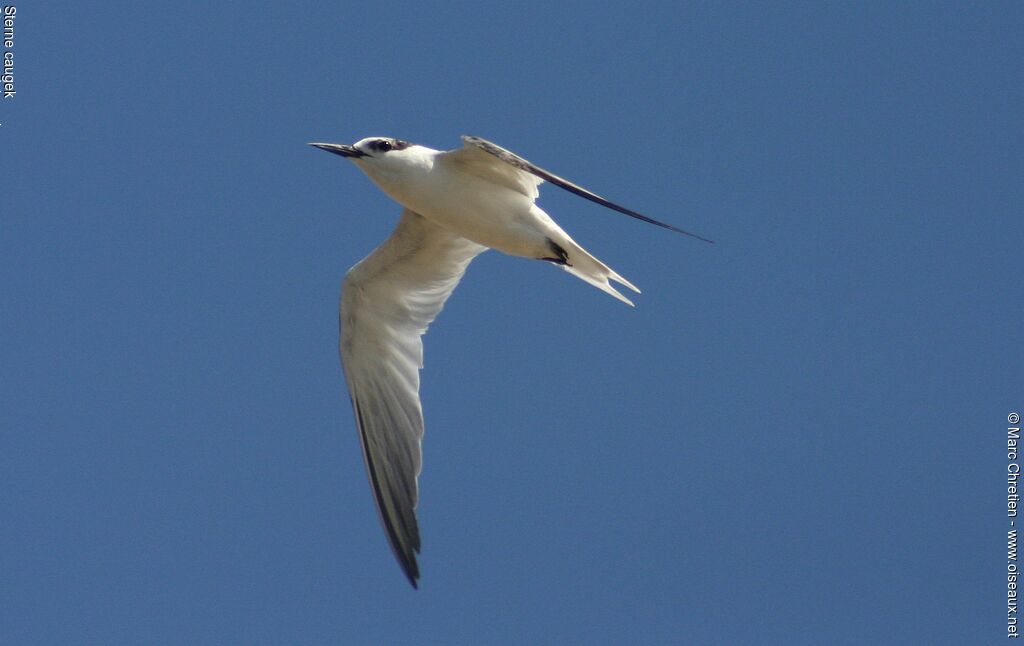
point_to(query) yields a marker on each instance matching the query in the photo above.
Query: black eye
(383, 145)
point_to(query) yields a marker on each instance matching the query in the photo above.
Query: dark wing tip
(410, 568)
(515, 160)
(407, 561)
(404, 544)
(692, 235)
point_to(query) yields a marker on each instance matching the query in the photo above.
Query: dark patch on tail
(561, 257)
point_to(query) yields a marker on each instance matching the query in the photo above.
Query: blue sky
(795, 437)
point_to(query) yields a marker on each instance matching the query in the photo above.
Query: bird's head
(392, 164)
(374, 148)
(379, 157)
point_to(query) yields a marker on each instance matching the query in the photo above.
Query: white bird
(457, 204)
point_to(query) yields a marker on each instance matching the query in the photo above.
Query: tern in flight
(457, 204)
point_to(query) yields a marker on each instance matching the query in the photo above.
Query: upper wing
(388, 299)
(476, 159)
(526, 174)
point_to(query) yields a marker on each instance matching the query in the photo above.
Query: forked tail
(575, 260)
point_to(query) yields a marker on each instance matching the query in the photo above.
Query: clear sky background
(797, 436)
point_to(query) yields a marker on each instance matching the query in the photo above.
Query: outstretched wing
(387, 301)
(526, 174)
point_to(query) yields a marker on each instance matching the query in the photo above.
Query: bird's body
(467, 192)
(457, 204)
(488, 213)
